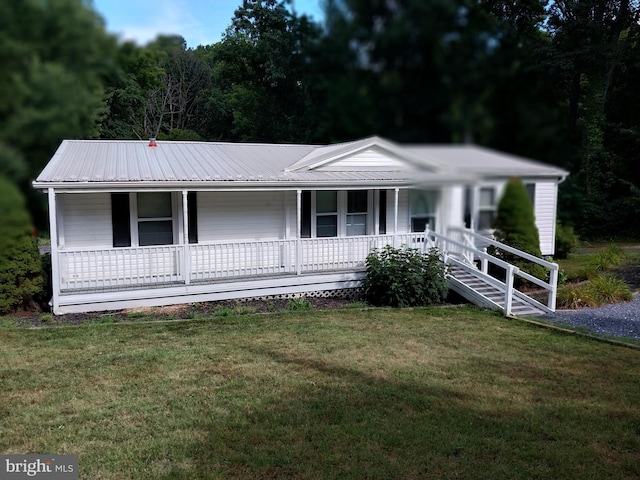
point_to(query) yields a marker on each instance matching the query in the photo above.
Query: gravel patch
(616, 319)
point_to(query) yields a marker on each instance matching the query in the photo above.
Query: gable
(372, 158)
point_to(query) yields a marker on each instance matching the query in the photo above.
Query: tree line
(551, 80)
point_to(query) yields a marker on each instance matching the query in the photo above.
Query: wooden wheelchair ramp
(485, 291)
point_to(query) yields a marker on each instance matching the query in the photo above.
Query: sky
(200, 22)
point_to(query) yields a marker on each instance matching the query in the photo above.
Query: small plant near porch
(405, 277)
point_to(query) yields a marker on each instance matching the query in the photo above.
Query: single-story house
(138, 223)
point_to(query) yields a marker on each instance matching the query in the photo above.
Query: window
(357, 212)
(327, 214)
(155, 219)
(486, 208)
(423, 210)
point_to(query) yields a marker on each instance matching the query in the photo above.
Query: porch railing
(103, 268)
(113, 268)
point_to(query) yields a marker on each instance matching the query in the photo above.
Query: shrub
(593, 293)
(611, 256)
(20, 264)
(566, 241)
(404, 277)
(515, 226)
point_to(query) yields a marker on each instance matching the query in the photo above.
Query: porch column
(298, 232)
(55, 261)
(185, 237)
(395, 216)
(376, 212)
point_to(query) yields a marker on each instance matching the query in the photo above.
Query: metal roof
(127, 163)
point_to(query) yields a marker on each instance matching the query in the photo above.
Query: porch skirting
(102, 300)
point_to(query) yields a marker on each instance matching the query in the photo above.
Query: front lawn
(377, 393)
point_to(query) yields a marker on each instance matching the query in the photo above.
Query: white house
(135, 223)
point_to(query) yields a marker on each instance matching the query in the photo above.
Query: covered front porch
(109, 278)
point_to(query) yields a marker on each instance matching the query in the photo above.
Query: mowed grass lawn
(378, 394)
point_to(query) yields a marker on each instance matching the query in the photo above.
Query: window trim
(341, 213)
(493, 208)
(431, 215)
(134, 220)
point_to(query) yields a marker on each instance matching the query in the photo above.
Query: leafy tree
(20, 265)
(55, 55)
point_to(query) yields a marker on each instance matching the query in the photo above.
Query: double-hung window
(423, 209)
(357, 209)
(327, 213)
(486, 208)
(334, 213)
(155, 219)
(144, 219)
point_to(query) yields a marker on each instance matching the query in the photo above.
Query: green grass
(375, 393)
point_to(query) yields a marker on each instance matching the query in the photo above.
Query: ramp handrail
(485, 258)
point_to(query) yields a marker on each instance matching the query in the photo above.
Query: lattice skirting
(345, 293)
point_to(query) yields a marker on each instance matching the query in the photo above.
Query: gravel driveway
(616, 319)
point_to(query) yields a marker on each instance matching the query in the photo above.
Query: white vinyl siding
(240, 215)
(365, 160)
(86, 219)
(545, 212)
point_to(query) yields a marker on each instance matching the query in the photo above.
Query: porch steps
(475, 288)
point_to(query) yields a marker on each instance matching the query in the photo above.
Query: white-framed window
(423, 209)
(327, 213)
(155, 218)
(357, 212)
(336, 213)
(486, 208)
(144, 218)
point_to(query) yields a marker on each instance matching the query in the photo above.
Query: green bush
(515, 226)
(593, 293)
(20, 263)
(405, 277)
(566, 241)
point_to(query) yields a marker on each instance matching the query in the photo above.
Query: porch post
(298, 232)
(55, 261)
(376, 212)
(185, 237)
(395, 217)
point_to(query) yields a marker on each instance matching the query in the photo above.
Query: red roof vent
(152, 142)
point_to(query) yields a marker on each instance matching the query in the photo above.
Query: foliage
(515, 226)
(611, 256)
(595, 292)
(555, 81)
(298, 304)
(566, 241)
(404, 277)
(20, 265)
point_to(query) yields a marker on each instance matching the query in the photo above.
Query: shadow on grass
(328, 421)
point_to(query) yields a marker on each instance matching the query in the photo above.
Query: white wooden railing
(121, 268)
(461, 246)
(103, 268)
(112, 268)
